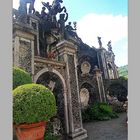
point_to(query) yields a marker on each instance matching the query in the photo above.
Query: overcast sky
(104, 18)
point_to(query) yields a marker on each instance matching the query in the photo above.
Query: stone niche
(84, 96)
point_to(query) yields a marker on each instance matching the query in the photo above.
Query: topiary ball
(33, 103)
(20, 77)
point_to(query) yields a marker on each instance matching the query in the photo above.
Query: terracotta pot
(34, 131)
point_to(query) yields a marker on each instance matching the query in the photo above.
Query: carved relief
(85, 67)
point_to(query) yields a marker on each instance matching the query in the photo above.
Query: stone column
(16, 51)
(116, 75)
(102, 62)
(99, 80)
(23, 36)
(67, 51)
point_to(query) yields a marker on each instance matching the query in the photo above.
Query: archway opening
(54, 83)
(118, 91)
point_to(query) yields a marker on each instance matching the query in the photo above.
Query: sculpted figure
(43, 13)
(70, 29)
(23, 6)
(109, 46)
(99, 41)
(62, 19)
(47, 5)
(55, 7)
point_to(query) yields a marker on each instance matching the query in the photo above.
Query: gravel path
(114, 129)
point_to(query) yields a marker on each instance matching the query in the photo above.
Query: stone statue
(62, 19)
(43, 13)
(47, 5)
(71, 30)
(75, 24)
(55, 7)
(99, 41)
(109, 46)
(23, 6)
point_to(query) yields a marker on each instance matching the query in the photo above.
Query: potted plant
(33, 106)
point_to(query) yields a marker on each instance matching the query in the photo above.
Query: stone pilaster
(34, 23)
(23, 36)
(67, 52)
(99, 80)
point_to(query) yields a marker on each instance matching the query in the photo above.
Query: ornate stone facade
(56, 57)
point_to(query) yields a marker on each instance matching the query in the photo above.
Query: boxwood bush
(33, 103)
(20, 77)
(98, 111)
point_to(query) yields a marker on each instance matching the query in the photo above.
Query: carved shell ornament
(85, 67)
(84, 96)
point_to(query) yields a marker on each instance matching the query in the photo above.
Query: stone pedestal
(23, 46)
(99, 80)
(67, 53)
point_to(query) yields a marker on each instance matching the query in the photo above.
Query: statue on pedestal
(99, 41)
(23, 6)
(71, 31)
(54, 9)
(109, 46)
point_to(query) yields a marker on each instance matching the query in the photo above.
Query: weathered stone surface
(75, 103)
(25, 55)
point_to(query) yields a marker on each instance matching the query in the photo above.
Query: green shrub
(123, 78)
(20, 77)
(33, 103)
(49, 136)
(98, 111)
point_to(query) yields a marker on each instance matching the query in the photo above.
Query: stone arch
(47, 70)
(117, 88)
(92, 92)
(55, 79)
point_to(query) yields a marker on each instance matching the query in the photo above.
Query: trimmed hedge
(98, 111)
(20, 77)
(33, 103)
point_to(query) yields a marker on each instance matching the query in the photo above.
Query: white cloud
(121, 53)
(108, 27)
